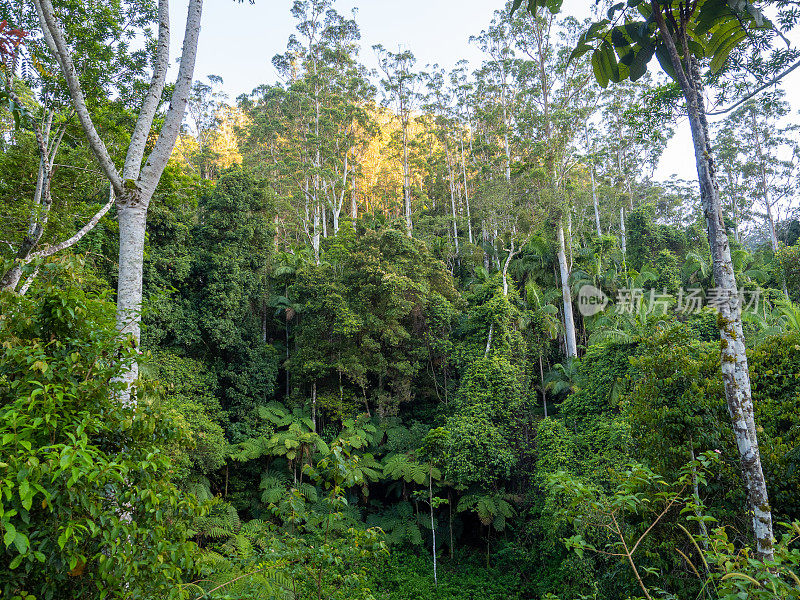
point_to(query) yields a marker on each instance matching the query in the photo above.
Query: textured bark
(569, 321)
(734, 367)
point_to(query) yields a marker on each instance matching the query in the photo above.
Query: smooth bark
(134, 187)
(569, 321)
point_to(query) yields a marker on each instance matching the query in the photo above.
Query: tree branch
(49, 251)
(55, 41)
(133, 159)
(758, 90)
(172, 122)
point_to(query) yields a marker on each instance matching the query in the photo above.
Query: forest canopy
(400, 331)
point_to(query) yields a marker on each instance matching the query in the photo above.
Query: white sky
(238, 41)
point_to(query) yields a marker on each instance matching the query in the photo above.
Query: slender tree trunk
(489, 341)
(466, 191)
(485, 239)
(569, 322)
(511, 254)
(596, 205)
(315, 235)
(544, 391)
(406, 178)
(622, 230)
(433, 527)
(451, 175)
(506, 144)
(735, 372)
(314, 404)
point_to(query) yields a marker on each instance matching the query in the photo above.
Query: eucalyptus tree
(497, 82)
(314, 121)
(40, 104)
(203, 118)
(461, 89)
(733, 193)
(768, 154)
(346, 118)
(552, 117)
(439, 104)
(400, 84)
(135, 184)
(682, 36)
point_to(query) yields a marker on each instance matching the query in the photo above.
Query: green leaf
(638, 66)
(10, 534)
(598, 66)
(21, 543)
(663, 59)
(721, 56)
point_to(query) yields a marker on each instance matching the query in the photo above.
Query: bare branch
(55, 41)
(49, 251)
(172, 122)
(133, 159)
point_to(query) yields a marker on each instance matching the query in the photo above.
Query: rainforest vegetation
(400, 332)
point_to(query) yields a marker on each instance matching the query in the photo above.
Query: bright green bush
(87, 509)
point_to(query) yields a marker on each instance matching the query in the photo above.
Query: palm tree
(562, 378)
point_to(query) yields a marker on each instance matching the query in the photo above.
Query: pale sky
(238, 41)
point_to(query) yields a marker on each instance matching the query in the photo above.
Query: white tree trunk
(569, 321)
(133, 189)
(433, 526)
(511, 254)
(132, 216)
(451, 177)
(466, 191)
(622, 230)
(315, 235)
(406, 179)
(734, 367)
(596, 205)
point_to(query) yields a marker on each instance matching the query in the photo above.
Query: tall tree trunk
(451, 176)
(734, 367)
(544, 391)
(314, 405)
(315, 235)
(466, 191)
(569, 321)
(596, 205)
(762, 171)
(406, 179)
(622, 230)
(433, 526)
